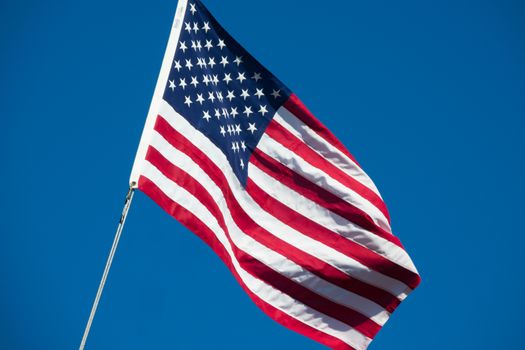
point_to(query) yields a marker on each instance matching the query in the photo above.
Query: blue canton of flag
(221, 89)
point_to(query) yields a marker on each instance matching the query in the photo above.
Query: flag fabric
(234, 155)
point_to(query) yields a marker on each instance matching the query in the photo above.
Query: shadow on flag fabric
(233, 154)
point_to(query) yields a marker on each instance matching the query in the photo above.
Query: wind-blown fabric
(233, 154)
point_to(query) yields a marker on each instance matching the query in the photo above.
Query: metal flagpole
(127, 204)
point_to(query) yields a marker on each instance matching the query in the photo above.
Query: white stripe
(308, 315)
(265, 255)
(329, 255)
(324, 148)
(267, 293)
(328, 219)
(288, 158)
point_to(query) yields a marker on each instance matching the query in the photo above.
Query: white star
(177, 66)
(211, 62)
(194, 81)
(251, 127)
(225, 113)
(217, 113)
(223, 132)
(219, 96)
(235, 146)
(187, 27)
(215, 79)
(211, 96)
(230, 95)
(238, 130)
(242, 164)
(256, 77)
(199, 46)
(276, 94)
(183, 46)
(259, 93)
(227, 78)
(263, 110)
(201, 62)
(188, 64)
(240, 77)
(193, 45)
(193, 9)
(245, 94)
(205, 79)
(234, 112)
(243, 146)
(224, 61)
(221, 44)
(188, 101)
(200, 99)
(172, 85)
(247, 111)
(230, 130)
(206, 27)
(238, 60)
(183, 83)
(208, 45)
(195, 27)
(206, 116)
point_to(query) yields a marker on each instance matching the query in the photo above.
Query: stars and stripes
(230, 152)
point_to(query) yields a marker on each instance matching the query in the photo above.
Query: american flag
(233, 154)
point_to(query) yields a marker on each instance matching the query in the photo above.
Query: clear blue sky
(428, 95)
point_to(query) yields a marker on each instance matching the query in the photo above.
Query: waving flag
(234, 155)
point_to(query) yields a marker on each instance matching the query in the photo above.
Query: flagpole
(127, 204)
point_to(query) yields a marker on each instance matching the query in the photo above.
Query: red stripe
(319, 195)
(256, 268)
(312, 229)
(248, 226)
(297, 108)
(185, 181)
(195, 225)
(297, 146)
(304, 295)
